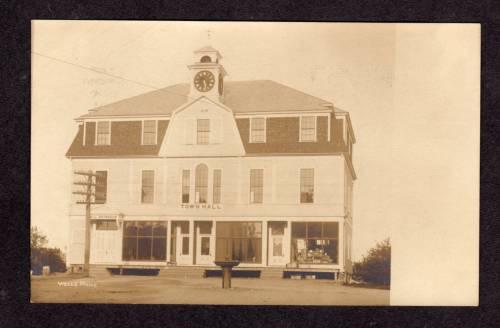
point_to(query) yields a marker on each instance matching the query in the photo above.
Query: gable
(223, 135)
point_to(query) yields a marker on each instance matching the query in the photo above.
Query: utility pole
(88, 193)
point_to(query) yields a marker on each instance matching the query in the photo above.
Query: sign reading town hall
(274, 162)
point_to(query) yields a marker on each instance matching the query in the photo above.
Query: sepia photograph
(256, 163)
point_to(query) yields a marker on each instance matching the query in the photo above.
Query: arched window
(201, 183)
(206, 59)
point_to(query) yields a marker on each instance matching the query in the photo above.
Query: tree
(375, 268)
(41, 255)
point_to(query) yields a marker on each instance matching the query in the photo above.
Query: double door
(184, 251)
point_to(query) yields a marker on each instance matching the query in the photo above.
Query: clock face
(204, 81)
(221, 84)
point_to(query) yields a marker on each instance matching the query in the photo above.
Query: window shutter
(189, 131)
(217, 131)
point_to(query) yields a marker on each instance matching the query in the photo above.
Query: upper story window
(103, 133)
(217, 186)
(101, 181)
(256, 186)
(148, 186)
(307, 128)
(202, 131)
(149, 131)
(201, 183)
(306, 185)
(185, 186)
(258, 129)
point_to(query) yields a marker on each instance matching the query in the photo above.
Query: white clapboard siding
(216, 131)
(189, 131)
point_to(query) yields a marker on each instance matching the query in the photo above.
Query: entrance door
(182, 253)
(104, 242)
(204, 243)
(276, 247)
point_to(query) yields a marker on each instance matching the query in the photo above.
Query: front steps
(185, 272)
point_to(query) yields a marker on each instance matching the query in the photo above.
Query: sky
(412, 91)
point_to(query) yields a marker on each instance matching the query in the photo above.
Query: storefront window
(315, 242)
(144, 241)
(240, 241)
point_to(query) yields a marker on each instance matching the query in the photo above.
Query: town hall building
(253, 171)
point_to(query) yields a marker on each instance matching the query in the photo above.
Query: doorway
(205, 243)
(277, 249)
(179, 243)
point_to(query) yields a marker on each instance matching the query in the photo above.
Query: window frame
(155, 133)
(105, 189)
(217, 187)
(152, 187)
(137, 236)
(200, 184)
(315, 117)
(253, 187)
(204, 131)
(250, 130)
(186, 186)
(313, 185)
(96, 139)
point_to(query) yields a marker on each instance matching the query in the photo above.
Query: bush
(376, 267)
(41, 255)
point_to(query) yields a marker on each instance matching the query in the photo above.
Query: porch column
(169, 237)
(213, 241)
(288, 241)
(191, 241)
(265, 234)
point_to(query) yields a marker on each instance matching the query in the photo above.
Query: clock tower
(207, 75)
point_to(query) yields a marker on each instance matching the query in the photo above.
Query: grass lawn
(180, 290)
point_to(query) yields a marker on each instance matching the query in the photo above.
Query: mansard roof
(260, 96)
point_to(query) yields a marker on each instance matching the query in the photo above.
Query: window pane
(307, 185)
(217, 186)
(147, 195)
(130, 228)
(144, 248)
(278, 228)
(144, 229)
(185, 186)
(331, 230)
(258, 132)
(201, 183)
(298, 230)
(256, 185)
(159, 249)
(159, 229)
(205, 245)
(101, 187)
(106, 225)
(203, 131)
(277, 246)
(103, 133)
(308, 128)
(129, 249)
(205, 227)
(314, 230)
(184, 227)
(239, 241)
(149, 132)
(185, 245)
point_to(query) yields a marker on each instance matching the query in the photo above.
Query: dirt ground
(168, 290)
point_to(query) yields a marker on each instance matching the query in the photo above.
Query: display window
(315, 242)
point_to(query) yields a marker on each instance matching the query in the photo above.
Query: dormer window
(202, 131)
(103, 132)
(149, 132)
(257, 130)
(205, 59)
(307, 129)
